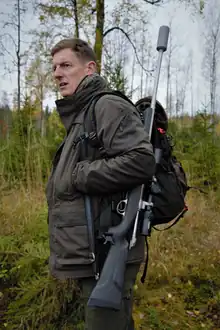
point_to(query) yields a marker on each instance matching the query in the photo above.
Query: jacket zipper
(54, 168)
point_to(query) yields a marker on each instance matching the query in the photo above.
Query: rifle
(108, 290)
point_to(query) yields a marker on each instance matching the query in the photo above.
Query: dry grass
(18, 208)
(182, 289)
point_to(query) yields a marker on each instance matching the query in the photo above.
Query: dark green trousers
(105, 319)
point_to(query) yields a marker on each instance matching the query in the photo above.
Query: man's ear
(91, 68)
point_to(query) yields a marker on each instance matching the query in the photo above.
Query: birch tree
(212, 50)
(10, 42)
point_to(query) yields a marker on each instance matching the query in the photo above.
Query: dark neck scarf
(70, 106)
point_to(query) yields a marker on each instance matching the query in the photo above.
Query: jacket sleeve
(130, 159)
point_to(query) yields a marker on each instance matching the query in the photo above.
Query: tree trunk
(18, 55)
(75, 10)
(42, 124)
(100, 17)
(213, 80)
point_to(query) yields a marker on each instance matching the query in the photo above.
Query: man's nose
(57, 72)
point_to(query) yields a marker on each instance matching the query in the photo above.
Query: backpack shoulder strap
(97, 96)
(90, 125)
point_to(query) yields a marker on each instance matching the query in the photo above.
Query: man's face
(69, 70)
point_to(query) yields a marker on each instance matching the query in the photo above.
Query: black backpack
(169, 199)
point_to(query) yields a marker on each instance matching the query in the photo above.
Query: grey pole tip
(163, 38)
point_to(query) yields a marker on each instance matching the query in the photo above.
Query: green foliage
(154, 320)
(34, 298)
(198, 147)
(115, 77)
(26, 156)
(53, 10)
(201, 6)
(65, 10)
(56, 130)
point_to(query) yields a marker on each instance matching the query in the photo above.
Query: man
(128, 162)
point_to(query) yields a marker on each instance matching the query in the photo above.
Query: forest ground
(182, 288)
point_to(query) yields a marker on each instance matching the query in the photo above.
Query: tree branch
(153, 2)
(10, 36)
(5, 50)
(132, 44)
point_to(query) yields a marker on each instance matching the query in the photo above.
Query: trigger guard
(121, 210)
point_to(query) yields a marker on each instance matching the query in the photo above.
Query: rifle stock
(108, 290)
(112, 279)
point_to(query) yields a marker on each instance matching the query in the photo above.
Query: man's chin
(65, 93)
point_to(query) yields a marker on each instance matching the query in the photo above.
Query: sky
(186, 34)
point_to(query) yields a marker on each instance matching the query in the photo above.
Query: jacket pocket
(69, 235)
(71, 246)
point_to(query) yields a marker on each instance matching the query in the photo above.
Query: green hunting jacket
(129, 161)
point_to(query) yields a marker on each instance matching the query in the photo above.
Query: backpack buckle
(80, 139)
(93, 140)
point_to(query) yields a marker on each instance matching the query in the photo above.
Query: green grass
(182, 289)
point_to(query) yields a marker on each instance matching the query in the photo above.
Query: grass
(29, 297)
(182, 288)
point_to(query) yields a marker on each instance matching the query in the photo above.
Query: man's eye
(66, 65)
(62, 65)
